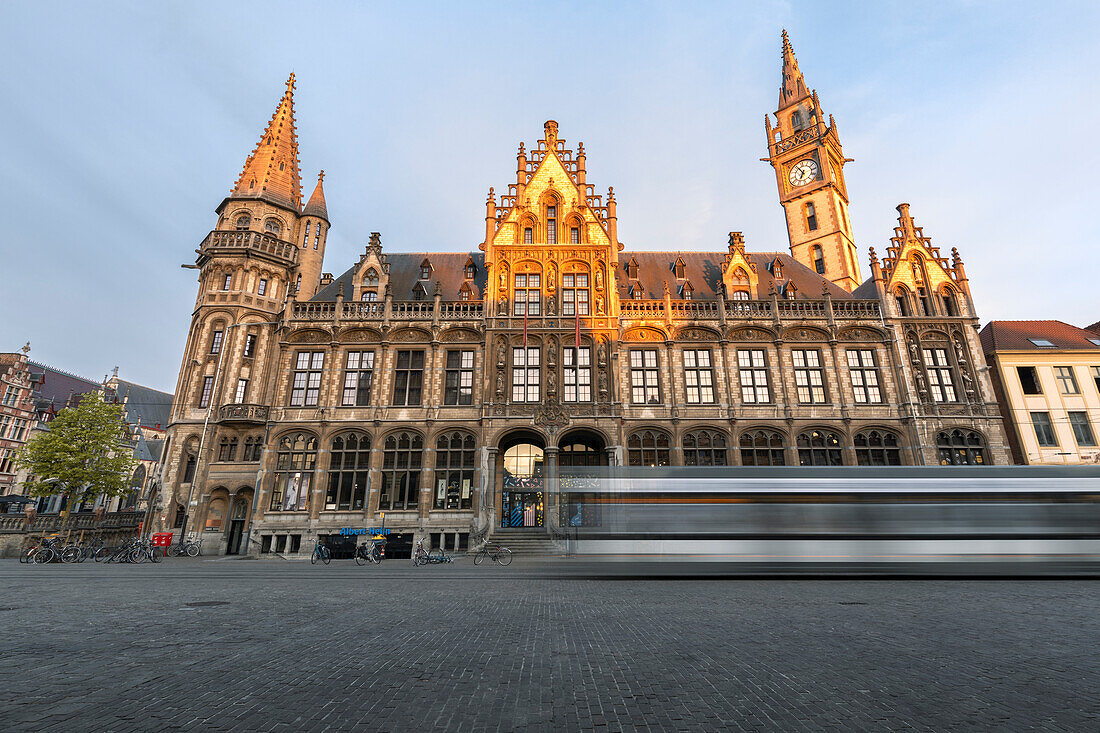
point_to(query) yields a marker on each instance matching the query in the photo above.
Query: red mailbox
(162, 539)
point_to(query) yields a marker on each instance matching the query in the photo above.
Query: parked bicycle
(188, 547)
(80, 553)
(49, 551)
(27, 555)
(434, 556)
(499, 554)
(321, 553)
(372, 552)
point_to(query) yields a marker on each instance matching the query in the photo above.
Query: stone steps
(524, 543)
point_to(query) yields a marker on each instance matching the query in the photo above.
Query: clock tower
(809, 170)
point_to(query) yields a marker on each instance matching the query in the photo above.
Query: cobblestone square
(290, 646)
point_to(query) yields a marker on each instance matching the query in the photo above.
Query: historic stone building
(440, 387)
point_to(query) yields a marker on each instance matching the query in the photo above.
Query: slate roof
(1016, 335)
(702, 269)
(144, 405)
(1095, 328)
(55, 387)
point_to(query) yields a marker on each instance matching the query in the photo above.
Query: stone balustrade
(225, 242)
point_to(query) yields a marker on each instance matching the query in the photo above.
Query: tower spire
(316, 205)
(271, 171)
(793, 87)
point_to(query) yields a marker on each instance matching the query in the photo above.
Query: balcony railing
(242, 412)
(229, 242)
(81, 520)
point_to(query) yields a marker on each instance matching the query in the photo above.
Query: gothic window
(454, 471)
(574, 235)
(705, 448)
(644, 383)
(207, 389)
(901, 298)
(528, 235)
(753, 372)
(648, 448)
(305, 386)
(577, 374)
(369, 296)
(348, 473)
(877, 448)
(358, 378)
(216, 341)
(525, 374)
(253, 447)
(740, 294)
(762, 448)
(551, 224)
(961, 448)
(528, 294)
(939, 375)
(298, 285)
(819, 259)
(796, 120)
(574, 294)
(261, 287)
(227, 450)
(401, 463)
(296, 459)
(811, 220)
(408, 378)
(864, 374)
(305, 240)
(242, 391)
(189, 462)
(244, 221)
(809, 376)
(950, 303)
(370, 280)
(272, 227)
(818, 448)
(925, 302)
(698, 376)
(317, 236)
(227, 282)
(459, 378)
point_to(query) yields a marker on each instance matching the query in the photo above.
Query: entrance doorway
(522, 491)
(579, 455)
(236, 525)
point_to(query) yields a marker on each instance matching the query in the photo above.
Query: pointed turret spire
(793, 87)
(271, 171)
(316, 205)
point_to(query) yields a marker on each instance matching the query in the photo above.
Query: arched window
(305, 240)
(796, 120)
(528, 235)
(552, 223)
(877, 448)
(215, 514)
(454, 471)
(244, 221)
(227, 450)
(950, 304)
(762, 448)
(294, 466)
(705, 448)
(901, 298)
(818, 448)
(811, 220)
(272, 227)
(191, 451)
(574, 235)
(371, 278)
(648, 448)
(740, 294)
(348, 473)
(961, 448)
(253, 447)
(925, 302)
(819, 259)
(369, 296)
(401, 461)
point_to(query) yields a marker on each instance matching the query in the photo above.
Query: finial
(610, 193)
(871, 254)
(491, 194)
(26, 348)
(290, 83)
(956, 260)
(321, 176)
(580, 148)
(521, 149)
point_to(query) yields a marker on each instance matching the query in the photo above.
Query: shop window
(349, 472)
(818, 448)
(961, 448)
(295, 463)
(762, 448)
(705, 448)
(455, 459)
(401, 463)
(648, 448)
(877, 448)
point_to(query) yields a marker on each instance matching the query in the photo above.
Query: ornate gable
(912, 263)
(738, 274)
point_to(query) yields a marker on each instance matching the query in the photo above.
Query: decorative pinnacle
(787, 48)
(26, 348)
(610, 193)
(491, 195)
(321, 176)
(872, 255)
(580, 148)
(290, 83)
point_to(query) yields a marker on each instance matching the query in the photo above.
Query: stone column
(550, 487)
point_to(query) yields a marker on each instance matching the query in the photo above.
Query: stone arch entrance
(521, 476)
(238, 518)
(581, 453)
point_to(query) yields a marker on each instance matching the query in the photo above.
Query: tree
(85, 453)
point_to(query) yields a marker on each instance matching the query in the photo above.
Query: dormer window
(419, 292)
(632, 268)
(371, 278)
(636, 291)
(777, 270)
(790, 292)
(470, 271)
(272, 227)
(686, 292)
(679, 268)
(425, 270)
(464, 292)
(244, 221)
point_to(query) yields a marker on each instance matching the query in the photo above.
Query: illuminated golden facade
(441, 388)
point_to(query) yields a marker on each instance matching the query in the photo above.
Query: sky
(126, 124)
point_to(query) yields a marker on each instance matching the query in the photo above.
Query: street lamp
(209, 411)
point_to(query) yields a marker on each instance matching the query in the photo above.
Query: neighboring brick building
(16, 414)
(432, 385)
(1047, 378)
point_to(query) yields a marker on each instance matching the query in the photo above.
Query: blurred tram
(832, 515)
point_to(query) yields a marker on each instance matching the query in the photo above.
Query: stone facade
(16, 414)
(429, 386)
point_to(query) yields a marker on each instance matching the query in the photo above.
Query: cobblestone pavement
(458, 648)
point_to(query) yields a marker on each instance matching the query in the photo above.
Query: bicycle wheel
(192, 550)
(375, 554)
(70, 554)
(102, 554)
(154, 556)
(504, 557)
(27, 554)
(43, 555)
(480, 557)
(137, 555)
(436, 556)
(315, 556)
(326, 556)
(360, 557)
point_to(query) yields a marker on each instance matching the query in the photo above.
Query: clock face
(803, 172)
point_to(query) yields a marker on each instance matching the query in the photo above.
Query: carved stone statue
(502, 306)
(960, 353)
(599, 305)
(551, 306)
(601, 354)
(914, 355)
(968, 381)
(503, 280)
(921, 387)
(500, 381)
(551, 277)
(599, 278)
(603, 381)
(551, 382)
(551, 355)
(501, 354)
